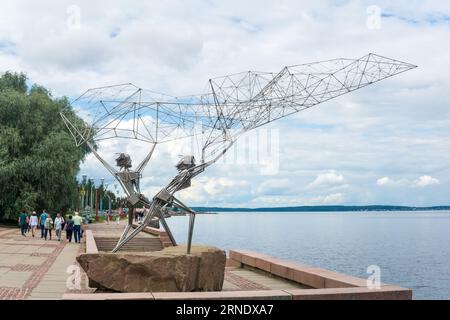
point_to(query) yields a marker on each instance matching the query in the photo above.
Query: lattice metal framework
(233, 105)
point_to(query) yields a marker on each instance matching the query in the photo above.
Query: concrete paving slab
(34, 260)
(15, 279)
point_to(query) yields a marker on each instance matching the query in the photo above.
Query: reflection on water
(411, 248)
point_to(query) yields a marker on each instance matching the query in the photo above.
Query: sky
(385, 144)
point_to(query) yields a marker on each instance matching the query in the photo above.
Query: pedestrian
(77, 221)
(48, 227)
(33, 222)
(58, 223)
(28, 225)
(42, 219)
(23, 222)
(63, 223)
(82, 228)
(69, 229)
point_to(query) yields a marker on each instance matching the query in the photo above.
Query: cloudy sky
(385, 144)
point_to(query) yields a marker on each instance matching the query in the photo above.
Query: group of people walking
(46, 223)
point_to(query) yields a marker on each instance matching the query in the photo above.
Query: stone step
(136, 244)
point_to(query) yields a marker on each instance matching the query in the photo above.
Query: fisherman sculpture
(233, 105)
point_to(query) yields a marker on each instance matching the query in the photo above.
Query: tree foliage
(38, 159)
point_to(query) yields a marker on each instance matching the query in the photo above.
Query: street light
(105, 191)
(91, 197)
(100, 195)
(108, 194)
(83, 192)
(116, 196)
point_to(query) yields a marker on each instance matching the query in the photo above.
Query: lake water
(412, 249)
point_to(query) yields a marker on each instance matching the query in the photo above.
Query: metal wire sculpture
(233, 105)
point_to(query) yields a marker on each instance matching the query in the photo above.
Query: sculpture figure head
(123, 161)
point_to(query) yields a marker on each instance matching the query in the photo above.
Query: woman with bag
(58, 225)
(33, 222)
(48, 227)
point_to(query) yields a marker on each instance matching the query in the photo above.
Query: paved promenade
(32, 268)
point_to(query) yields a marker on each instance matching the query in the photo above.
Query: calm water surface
(411, 248)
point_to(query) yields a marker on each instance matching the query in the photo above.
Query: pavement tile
(46, 295)
(4, 270)
(14, 279)
(28, 249)
(34, 260)
(12, 260)
(46, 250)
(32, 267)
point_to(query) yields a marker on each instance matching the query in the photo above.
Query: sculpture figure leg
(190, 232)
(129, 223)
(166, 227)
(128, 237)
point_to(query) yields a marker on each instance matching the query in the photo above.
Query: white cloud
(335, 198)
(420, 182)
(425, 181)
(386, 182)
(222, 190)
(330, 178)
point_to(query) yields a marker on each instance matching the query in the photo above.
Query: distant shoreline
(323, 209)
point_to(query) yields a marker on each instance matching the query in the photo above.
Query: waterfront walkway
(32, 268)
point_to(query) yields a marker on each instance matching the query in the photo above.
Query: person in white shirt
(58, 225)
(33, 222)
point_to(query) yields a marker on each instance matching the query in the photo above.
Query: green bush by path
(38, 158)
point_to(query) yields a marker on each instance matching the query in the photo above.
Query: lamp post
(82, 193)
(92, 198)
(84, 176)
(100, 195)
(96, 204)
(105, 191)
(116, 199)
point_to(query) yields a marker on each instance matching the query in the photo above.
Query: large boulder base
(168, 270)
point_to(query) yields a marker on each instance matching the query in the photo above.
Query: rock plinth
(168, 270)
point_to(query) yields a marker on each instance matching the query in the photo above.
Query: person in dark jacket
(69, 229)
(23, 222)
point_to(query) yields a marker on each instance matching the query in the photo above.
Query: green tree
(38, 159)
